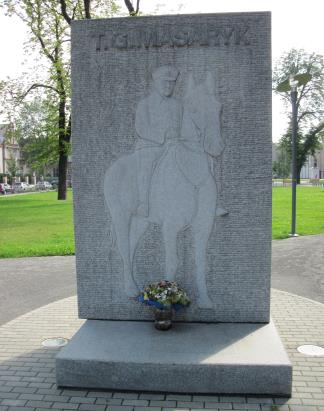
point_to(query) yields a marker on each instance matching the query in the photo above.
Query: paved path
(27, 370)
(298, 266)
(29, 283)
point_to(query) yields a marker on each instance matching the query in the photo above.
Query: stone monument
(172, 180)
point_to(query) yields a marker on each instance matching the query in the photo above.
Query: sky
(295, 24)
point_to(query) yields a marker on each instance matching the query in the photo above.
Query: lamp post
(293, 97)
(285, 86)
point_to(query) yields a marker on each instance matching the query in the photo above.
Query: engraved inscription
(204, 35)
(170, 178)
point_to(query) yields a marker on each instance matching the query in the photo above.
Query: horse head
(203, 109)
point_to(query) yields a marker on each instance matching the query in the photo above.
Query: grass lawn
(309, 211)
(37, 224)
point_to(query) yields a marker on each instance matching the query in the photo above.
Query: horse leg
(202, 226)
(170, 232)
(122, 222)
(137, 229)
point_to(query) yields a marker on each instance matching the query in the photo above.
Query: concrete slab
(196, 358)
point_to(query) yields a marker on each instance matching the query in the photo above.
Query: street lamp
(293, 97)
(291, 85)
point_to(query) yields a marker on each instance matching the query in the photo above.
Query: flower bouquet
(164, 296)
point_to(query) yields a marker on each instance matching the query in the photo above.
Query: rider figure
(158, 119)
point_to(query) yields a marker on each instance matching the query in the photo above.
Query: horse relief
(169, 179)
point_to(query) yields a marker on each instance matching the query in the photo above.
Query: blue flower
(158, 305)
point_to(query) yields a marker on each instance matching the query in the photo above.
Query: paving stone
(207, 398)
(36, 397)
(233, 399)
(92, 407)
(83, 400)
(190, 404)
(140, 403)
(211, 405)
(40, 385)
(68, 406)
(46, 409)
(313, 401)
(119, 408)
(223, 406)
(126, 395)
(259, 400)
(8, 395)
(56, 398)
(7, 378)
(42, 404)
(24, 390)
(163, 404)
(75, 393)
(16, 384)
(99, 394)
(109, 401)
(5, 388)
(49, 391)
(147, 409)
(14, 403)
(244, 406)
(179, 397)
(148, 396)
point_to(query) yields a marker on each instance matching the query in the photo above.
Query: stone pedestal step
(231, 358)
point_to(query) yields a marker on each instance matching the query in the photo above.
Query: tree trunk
(298, 174)
(62, 169)
(64, 139)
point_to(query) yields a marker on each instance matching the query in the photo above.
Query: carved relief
(170, 178)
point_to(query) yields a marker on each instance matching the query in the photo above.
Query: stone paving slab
(27, 370)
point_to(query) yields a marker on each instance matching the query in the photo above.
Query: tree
(49, 25)
(34, 132)
(49, 33)
(281, 166)
(310, 103)
(12, 165)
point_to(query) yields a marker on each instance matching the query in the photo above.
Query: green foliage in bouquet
(164, 293)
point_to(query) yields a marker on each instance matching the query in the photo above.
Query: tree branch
(64, 13)
(37, 85)
(305, 113)
(130, 7)
(137, 6)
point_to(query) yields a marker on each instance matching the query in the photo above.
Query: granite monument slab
(172, 163)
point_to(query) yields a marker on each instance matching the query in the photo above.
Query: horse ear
(210, 82)
(190, 85)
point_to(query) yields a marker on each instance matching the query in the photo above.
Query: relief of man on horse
(169, 179)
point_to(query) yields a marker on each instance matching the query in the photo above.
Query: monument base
(227, 358)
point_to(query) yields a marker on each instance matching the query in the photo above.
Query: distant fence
(284, 182)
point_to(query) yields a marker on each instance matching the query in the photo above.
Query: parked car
(5, 188)
(43, 185)
(19, 187)
(54, 182)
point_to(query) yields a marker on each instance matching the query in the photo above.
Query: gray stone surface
(112, 64)
(195, 358)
